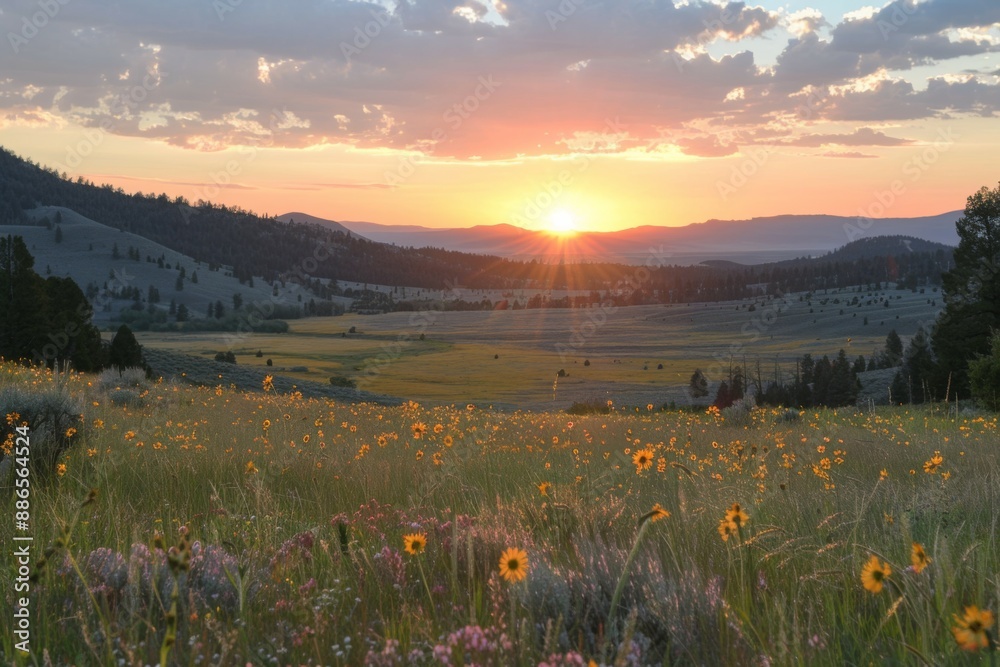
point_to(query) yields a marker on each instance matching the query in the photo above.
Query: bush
(53, 417)
(590, 407)
(226, 357)
(128, 377)
(340, 381)
(984, 376)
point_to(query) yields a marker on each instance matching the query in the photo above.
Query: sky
(548, 114)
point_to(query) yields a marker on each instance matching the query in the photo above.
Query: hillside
(86, 254)
(313, 255)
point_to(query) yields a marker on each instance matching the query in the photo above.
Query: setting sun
(562, 221)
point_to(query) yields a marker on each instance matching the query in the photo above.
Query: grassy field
(511, 358)
(214, 526)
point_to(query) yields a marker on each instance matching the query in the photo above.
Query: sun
(562, 221)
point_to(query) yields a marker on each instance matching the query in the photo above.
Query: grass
(279, 522)
(511, 358)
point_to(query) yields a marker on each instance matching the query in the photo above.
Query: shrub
(341, 381)
(589, 407)
(53, 416)
(128, 377)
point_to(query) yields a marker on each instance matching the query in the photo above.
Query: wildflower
(874, 574)
(642, 459)
(736, 516)
(268, 383)
(726, 529)
(448, 441)
(654, 514)
(971, 631)
(419, 429)
(70, 432)
(266, 425)
(931, 466)
(888, 518)
(514, 564)
(883, 474)
(415, 543)
(61, 469)
(543, 488)
(919, 558)
(250, 468)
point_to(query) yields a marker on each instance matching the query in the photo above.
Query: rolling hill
(754, 241)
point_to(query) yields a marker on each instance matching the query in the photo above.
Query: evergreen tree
(843, 387)
(722, 397)
(182, 313)
(73, 337)
(125, 351)
(698, 386)
(919, 368)
(22, 301)
(893, 349)
(971, 290)
(984, 376)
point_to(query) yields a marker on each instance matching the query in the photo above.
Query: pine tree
(23, 302)
(125, 351)
(971, 290)
(698, 386)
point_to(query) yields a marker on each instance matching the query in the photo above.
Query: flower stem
(620, 588)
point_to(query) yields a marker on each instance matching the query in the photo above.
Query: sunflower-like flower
(415, 543)
(514, 564)
(919, 558)
(726, 528)
(971, 630)
(737, 516)
(874, 574)
(655, 514)
(642, 459)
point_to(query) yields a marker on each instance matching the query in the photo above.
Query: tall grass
(231, 527)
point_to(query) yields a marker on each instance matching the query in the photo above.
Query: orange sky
(510, 113)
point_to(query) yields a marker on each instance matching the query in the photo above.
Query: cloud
(462, 78)
(863, 136)
(846, 154)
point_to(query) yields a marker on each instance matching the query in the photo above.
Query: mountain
(297, 217)
(753, 241)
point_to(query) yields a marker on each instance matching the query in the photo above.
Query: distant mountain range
(754, 241)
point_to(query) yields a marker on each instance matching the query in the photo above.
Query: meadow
(214, 525)
(511, 359)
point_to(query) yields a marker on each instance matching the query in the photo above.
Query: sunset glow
(562, 222)
(469, 117)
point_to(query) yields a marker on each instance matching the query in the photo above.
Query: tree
(125, 351)
(115, 252)
(22, 301)
(843, 387)
(73, 337)
(59, 234)
(893, 349)
(971, 290)
(984, 376)
(919, 367)
(722, 396)
(699, 384)
(182, 313)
